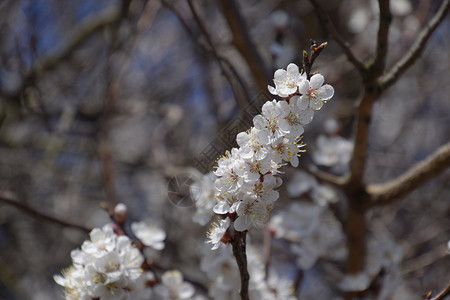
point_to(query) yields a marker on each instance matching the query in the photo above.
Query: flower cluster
(111, 266)
(248, 175)
(106, 267)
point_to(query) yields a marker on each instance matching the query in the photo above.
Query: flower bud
(120, 212)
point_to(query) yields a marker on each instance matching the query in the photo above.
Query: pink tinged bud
(120, 212)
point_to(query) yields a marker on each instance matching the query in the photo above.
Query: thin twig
(387, 193)
(89, 26)
(267, 246)
(10, 198)
(414, 53)
(379, 62)
(421, 262)
(239, 252)
(51, 59)
(442, 294)
(223, 61)
(325, 19)
(244, 43)
(325, 176)
(308, 61)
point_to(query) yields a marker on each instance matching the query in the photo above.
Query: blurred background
(107, 101)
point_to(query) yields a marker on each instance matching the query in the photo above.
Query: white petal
(279, 74)
(285, 91)
(284, 126)
(59, 280)
(272, 90)
(243, 223)
(272, 196)
(262, 136)
(316, 81)
(326, 92)
(316, 103)
(221, 208)
(157, 246)
(303, 88)
(186, 291)
(246, 153)
(242, 139)
(303, 103)
(294, 161)
(306, 116)
(292, 69)
(259, 122)
(267, 108)
(297, 131)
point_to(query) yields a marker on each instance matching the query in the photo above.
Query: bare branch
(355, 230)
(379, 63)
(9, 198)
(414, 53)
(224, 63)
(89, 26)
(383, 194)
(325, 19)
(325, 176)
(244, 43)
(421, 262)
(358, 163)
(239, 252)
(49, 61)
(442, 294)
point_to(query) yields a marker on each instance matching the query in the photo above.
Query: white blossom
(173, 287)
(203, 193)
(248, 175)
(217, 231)
(287, 81)
(334, 152)
(149, 234)
(106, 267)
(314, 91)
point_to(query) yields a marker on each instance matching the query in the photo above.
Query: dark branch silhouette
(10, 198)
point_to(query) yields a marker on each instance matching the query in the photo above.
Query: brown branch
(239, 252)
(10, 198)
(325, 176)
(267, 250)
(416, 50)
(244, 43)
(442, 294)
(308, 60)
(423, 261)
(387, 193)
(326, 20)
(358, 163)
(379, 62)
(223, 61)
(356, 237)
